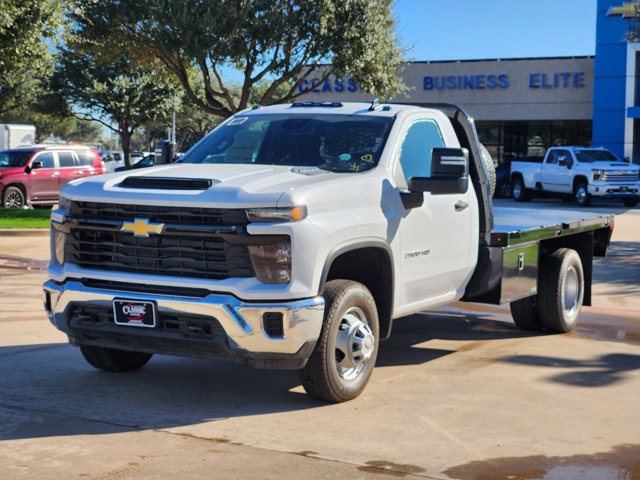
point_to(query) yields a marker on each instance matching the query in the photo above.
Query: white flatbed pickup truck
(577, 172)
(293, 235)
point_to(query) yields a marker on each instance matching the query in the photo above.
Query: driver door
(435, 238)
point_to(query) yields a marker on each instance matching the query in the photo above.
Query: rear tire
(630, 202)
(518, 190)
(342, 362)
(560, 290)
(113, 360)
(525, 314)
(13, 197)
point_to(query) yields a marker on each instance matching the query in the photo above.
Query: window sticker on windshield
(237, 121)
(355, 168)
(344, 157)
(367, 158)
(376, 144)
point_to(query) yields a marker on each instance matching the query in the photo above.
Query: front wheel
(13, 197)
(341, 364)
(518, 190)
(630, 202)
(583, 197)
(114, 360)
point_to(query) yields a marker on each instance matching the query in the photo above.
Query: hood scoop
(164, 183)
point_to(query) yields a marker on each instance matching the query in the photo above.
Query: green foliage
(24, 218)
(280, 42)
(110, 86)
(26, 29)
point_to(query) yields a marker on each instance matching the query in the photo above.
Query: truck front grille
(620, 177)
(158, 213)
(195, 243)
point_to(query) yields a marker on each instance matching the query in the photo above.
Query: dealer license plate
(134, 313)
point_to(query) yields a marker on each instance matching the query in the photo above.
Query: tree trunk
(125, 137)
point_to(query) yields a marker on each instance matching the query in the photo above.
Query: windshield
(14, 159)
(590, 156)
(340, 143)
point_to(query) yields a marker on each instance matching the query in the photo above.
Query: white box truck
(12, 135)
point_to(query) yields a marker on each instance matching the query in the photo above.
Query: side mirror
(35, 165)
(449, 173)
(562, 160)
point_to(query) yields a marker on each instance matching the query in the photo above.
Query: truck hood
(613, 165)
(232, 186)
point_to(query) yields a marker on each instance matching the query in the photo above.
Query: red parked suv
(34, 175)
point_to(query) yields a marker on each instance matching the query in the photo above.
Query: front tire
(114, 360)
(582, 195)
(519, 191)
(341, 364)
(560, 290)
(13, 197)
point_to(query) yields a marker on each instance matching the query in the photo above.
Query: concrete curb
(24, 232)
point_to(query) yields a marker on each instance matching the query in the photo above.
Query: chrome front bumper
(246, 337)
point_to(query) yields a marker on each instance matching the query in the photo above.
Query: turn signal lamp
(284, 214)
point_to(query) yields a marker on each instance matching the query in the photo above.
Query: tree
(112, 88)
(27, 29)
(282, 42)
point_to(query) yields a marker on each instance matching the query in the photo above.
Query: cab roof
(340, 108)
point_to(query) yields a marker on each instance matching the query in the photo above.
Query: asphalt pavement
(458, 392)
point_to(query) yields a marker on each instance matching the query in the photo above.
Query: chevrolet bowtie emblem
(142, 227)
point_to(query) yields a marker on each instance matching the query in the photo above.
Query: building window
(509, 140)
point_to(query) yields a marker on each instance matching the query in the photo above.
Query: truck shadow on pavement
(444, 324)
(48, 390)
(598, 372)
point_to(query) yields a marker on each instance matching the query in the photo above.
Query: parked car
(144, 162)
(33, 175)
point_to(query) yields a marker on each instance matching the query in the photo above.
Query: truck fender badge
(142, 227)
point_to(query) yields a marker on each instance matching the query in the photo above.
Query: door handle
(79, 173)
(460, 205)
(55, 174)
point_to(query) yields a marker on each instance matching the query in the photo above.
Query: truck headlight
(283, 214)
(272, 262)
(64, 203)
(59, 238)
(598, 173)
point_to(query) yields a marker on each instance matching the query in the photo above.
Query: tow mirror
(449, 173)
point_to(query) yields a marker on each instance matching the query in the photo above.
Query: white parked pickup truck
(293, 235)
(577, 172)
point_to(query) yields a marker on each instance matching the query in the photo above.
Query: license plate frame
(134, 313)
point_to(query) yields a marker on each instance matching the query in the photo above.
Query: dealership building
(522, 106)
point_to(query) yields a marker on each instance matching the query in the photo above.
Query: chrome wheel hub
(571, 292)
(355, 344)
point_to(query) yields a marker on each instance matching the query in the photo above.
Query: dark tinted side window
(67, 159)
(86, 158)
(46, 158)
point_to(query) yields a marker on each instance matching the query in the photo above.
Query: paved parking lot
(457, 393)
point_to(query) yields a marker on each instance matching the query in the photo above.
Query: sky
(490, 29)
